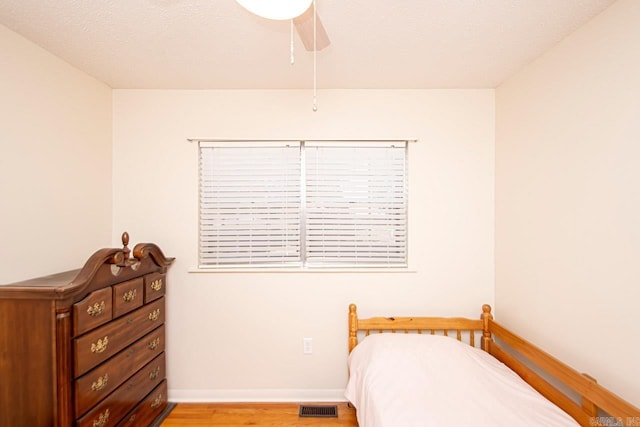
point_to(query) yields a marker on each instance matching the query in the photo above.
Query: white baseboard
(257, 395)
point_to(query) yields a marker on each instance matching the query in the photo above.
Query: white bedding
(405, 380)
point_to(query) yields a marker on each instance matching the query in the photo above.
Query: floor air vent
(320, 411)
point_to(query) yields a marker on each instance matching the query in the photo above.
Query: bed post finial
(486, 333)
(353, 327)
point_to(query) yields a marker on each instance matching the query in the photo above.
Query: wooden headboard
(541, 370)
(443, 325)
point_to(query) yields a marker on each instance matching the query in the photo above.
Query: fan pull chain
(315, 53)
(291, 58)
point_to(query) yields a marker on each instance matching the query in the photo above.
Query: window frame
(302, 263)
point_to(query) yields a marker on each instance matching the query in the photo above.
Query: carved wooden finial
(125, 242)
(486, 309)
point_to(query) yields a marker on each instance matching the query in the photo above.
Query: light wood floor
(254, 414)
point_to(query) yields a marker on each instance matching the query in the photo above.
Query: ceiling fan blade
(304, 26)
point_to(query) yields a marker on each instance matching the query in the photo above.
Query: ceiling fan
(302, 12)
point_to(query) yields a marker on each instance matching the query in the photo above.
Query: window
(303, 203)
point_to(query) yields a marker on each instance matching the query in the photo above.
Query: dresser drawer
(154, 286)
(149, 409)
(127, 296)
(93, 311)
(119, 403)
(95, 347)
(99, 382)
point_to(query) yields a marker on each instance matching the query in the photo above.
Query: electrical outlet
(307, 345)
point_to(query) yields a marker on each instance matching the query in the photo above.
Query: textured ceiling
(211, 44)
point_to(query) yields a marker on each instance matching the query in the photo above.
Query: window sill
(303, 270)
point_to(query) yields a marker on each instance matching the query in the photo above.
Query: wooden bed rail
(593, 396)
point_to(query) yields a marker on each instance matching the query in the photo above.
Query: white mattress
(405, 380)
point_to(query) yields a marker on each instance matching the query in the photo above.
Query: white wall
(567, 238)
(239, 335)
(55, 163)
(568, 200)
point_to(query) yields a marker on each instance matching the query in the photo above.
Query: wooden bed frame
(594, 399)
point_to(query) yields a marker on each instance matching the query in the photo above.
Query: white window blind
(356, 204)
(316, 204)
(250, 204)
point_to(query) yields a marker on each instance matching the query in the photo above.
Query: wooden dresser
(86, 347)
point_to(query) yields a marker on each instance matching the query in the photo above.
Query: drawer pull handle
(102, 420)
(96, 309)
(154, 315)
(156, 285)
(157, 401)
(100, 383)
(100, 345)
(129, 295)
(154, 344)
(154, 374)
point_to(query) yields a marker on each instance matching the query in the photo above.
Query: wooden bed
(596, 406)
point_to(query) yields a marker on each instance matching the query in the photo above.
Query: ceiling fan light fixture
(276, 9)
